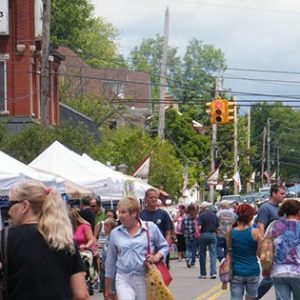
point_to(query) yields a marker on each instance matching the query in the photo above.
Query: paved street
(187, 286)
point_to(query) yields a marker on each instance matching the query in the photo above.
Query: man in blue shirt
(267, 213)
(158, 216)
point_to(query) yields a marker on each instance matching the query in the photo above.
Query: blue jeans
(239, 283)
(189, 251)
(263, 287)
(221, 248)
(285, 286)
(208, 240)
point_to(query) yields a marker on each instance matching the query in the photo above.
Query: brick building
(117, 86)
(20, 62)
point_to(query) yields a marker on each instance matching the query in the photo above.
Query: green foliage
(199, 66)
(284, 138)
(189, 78)
(131, 146)
(147, 57)
(73, 25)
(27, 144)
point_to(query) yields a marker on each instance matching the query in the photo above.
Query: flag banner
(237, 179)
(252, 178)
(273, 176)
(213, 178)
(142, 170)
(129, 189)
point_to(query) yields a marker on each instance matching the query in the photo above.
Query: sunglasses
(13, 202)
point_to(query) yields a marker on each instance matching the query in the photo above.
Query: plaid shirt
(188, 227)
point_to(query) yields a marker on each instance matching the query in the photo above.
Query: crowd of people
(72, 251)
(238, 231)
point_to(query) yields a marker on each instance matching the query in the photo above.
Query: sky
(253, 35)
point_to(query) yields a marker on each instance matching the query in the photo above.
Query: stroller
(90, 268)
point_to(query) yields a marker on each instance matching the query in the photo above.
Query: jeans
(131, 287)
(239, 283)
(263, 287)
(221, 248)
(208, 240)
(189, 251)
(285, 286)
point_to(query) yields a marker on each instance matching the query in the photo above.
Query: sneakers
(214, 276)
(188, 263)
(202, 277)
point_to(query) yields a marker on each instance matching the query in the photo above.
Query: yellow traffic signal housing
(218, 111)
(208, 107)
(221, 111)
(230, 111)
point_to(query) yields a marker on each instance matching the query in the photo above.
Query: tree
(131, 146)
(200, 63)
(284, 138)
(73, 25)
(147, 57)
(27, 144)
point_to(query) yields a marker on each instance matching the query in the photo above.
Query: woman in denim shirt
(127, 252)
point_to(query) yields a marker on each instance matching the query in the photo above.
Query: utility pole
(249, 145)
(268, 152)
(214, 138)
(163, 76)
(278, 162)
(263, 157)
(45, 62)
(235, 148)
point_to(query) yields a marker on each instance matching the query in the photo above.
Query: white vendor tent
(60, 160)
(127, 185)
(12, 171)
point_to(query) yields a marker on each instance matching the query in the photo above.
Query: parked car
(233, 198)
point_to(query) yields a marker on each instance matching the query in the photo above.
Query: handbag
(3, 254)
(266, 255)
(225, 269)
(161, 266)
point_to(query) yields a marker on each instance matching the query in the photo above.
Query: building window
(2, 86)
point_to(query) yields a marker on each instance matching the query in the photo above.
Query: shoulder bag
(225, 271)
(266, 255)
(157, 278)
(161, 266)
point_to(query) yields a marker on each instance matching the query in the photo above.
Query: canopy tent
(58, 159)
(12, 171)
(127, 185)
(7, 180)
(76, 191)
(73, 190)
(93, 175)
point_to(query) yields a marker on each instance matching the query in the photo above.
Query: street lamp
(123, 168)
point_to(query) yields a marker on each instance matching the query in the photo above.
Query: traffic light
(230, 111)
(218, 111)
(208, 107)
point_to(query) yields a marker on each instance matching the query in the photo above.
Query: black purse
(3, 257)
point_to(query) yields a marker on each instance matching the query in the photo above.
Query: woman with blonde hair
(85, 240)
(43, 261)
(127, 252)
(83, 234)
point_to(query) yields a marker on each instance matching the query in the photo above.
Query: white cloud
(252, 33)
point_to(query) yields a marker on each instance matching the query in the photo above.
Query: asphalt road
(187, 286)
